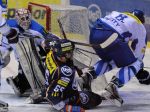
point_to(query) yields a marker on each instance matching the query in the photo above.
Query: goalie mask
(63, 50)
(23, 17)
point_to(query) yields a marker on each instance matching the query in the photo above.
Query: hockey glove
(86, 79)
(143, 76)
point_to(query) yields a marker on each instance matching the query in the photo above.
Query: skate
(3, 106)
(36, 99)
(110, 93)
(12, 83)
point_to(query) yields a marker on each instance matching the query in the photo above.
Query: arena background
(12, 4)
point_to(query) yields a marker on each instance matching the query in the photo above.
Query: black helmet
(139, 14)
(63, 47)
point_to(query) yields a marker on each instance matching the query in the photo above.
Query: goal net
(74, 21)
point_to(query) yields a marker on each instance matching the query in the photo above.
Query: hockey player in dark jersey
(61, 84)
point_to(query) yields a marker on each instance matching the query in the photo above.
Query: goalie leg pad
(3, 106)
(19, 84)
(143, 76)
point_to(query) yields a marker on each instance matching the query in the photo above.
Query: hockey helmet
(139, 14)
(63, 48)
(23, 17)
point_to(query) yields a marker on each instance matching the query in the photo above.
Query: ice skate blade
(3, 109)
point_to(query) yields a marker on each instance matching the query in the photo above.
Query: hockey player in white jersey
(10, 34)
(113, 33)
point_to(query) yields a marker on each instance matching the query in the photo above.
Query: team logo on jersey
(67, 71)
(84, 98)
(94, 12)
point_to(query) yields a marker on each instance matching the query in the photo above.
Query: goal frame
(48, 13)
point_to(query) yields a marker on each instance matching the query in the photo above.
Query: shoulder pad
(37, 27)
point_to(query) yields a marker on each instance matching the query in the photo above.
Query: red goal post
(41, 13)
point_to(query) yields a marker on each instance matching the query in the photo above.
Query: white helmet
(23, 17)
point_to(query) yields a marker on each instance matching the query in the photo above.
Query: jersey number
(59, 88)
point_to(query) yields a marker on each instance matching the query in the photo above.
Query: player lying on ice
(113, 34)
(61, 87)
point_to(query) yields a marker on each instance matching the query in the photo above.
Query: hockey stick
(85, 51)
(61, 28)
(65, 37)
(111, 39)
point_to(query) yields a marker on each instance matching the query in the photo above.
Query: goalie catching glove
(143, 76)
(12, 36)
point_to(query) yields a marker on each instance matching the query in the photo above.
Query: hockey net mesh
(74, 21)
